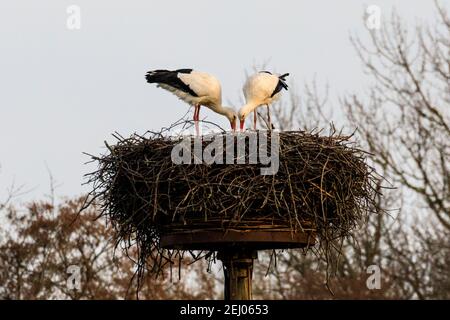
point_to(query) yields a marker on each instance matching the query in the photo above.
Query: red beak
(242, 122)
(233, 125)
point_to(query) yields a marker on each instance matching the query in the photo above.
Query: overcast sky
(65, 91)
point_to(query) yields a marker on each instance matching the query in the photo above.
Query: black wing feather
(281, 84)
(170, 78)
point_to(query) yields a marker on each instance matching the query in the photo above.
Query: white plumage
(262, 88)
(195, 88)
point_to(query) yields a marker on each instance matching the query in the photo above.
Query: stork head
(232, 116)
(242, 115)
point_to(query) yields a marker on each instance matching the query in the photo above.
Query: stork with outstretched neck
(262, 88)
(195, 88)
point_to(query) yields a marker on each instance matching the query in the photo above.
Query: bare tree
(405, 121)
(47, 244)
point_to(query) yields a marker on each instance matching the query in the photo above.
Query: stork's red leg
(254, 119)
(195, 112)
(196, 118)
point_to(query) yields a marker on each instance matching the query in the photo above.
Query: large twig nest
(322, 183)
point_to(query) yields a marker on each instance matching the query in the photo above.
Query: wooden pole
(238, 272)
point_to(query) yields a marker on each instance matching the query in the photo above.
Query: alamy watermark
(74, 279)
(192, 149)
(373, 17)
(73, 21)
(374, 280)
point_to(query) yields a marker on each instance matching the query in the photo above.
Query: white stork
(262, 88)
(195, 88)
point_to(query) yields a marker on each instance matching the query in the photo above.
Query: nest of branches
(321, 183)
